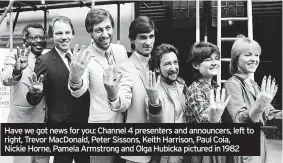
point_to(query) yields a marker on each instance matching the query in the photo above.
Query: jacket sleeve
(85, 85)
(8, 79)
(237, 107)
(124, 92)
(155, 113)
(198, 104)
(40, 69)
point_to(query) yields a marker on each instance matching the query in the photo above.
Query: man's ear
(157, 69)
(195, 66)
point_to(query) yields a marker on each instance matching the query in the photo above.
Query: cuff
(114, 105)
(76, 86)
(155, 109)
(17, 76)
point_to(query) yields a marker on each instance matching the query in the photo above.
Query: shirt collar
(143, 59)
(32, 55)
(204, 82)
(99, 50)
(61, 53)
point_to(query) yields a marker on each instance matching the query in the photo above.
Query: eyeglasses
(35, 38)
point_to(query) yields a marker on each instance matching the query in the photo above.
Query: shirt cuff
(155, 109)
(115, 105)
(17, 77)
(76, 86)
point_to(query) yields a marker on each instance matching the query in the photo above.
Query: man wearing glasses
(17, 69)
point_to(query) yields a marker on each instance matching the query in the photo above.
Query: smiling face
(102, 34)
(209, 67)
(62, 35)
(169, 67)
(36, 40)
(144, 43)
(248, 61)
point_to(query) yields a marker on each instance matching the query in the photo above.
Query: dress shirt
(63, 56)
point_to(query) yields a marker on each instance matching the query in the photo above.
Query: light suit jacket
(20, 110)
(132, 95)
(100, 111)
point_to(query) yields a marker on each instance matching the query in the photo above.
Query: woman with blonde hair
(249, 103)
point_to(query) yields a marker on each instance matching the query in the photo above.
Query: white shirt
(62, 55)
(102, 52)
(143, 59)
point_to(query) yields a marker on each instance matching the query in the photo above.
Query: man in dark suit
(53, 68)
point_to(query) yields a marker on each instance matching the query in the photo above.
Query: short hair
(61, 19)
(199, 52)
(31, 25)
(159, 51)
(141, 24)
(241, 44)
(96, 16)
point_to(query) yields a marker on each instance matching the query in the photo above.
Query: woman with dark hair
(202, 106)
(249, 103)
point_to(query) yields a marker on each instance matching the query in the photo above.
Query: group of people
(100, 84)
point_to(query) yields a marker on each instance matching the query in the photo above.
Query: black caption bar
(130, 139)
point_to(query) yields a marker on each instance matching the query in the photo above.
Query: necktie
(150, 66)
(68, 56)
(108, 56)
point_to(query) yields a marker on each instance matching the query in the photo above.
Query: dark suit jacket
(62, 107)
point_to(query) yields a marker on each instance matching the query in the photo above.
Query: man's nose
(104, 33)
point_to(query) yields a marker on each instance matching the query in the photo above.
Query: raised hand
(21, 58)
(35, 86)
(152, 88)
(266, 94)
(217, 105)
(79, 63)
(111, 79)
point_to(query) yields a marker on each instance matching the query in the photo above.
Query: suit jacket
(62, 107)
(100, 111)
(167, 107)
(242, 100)
(21, 111)
(132, 95)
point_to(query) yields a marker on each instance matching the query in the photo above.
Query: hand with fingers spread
(79, 63)
(217, 105)
(36, 86)
(21, 58)
(111, 79)
(266, 94)
(152, 88)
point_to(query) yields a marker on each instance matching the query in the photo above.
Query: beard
(167, 79)
(99, 43)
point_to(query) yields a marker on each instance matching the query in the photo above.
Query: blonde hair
(241, 44)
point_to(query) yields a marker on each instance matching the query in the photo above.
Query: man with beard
(53, 67)
(127, 93)
(166, 93)
(17, 69)
(100, 25)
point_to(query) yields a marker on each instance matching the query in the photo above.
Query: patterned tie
(68, 56)
(108, 56)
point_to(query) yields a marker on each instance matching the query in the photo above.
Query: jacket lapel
(59, 64)
(142, 72)
(97, 56)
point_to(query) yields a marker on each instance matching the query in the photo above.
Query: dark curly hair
(96, 16)
(31, 25)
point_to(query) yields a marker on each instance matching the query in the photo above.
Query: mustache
(172, 72)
